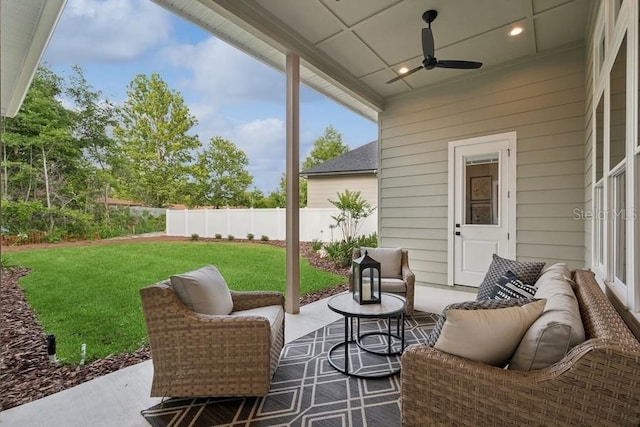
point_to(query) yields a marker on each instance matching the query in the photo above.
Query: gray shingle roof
(359, 160)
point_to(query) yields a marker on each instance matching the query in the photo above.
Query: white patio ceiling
(350, 48)
(25, 29)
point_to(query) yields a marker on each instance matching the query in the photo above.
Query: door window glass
(481, 189)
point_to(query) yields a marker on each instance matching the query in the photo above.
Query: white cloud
(223, 74)
(107, 31)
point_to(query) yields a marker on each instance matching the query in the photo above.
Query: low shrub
(230, 237)
(54, 236)
(250, 236)
(195, 237)
(264, 238)
(341, 252)
(316, 245)
(218, 236)
(6, 261)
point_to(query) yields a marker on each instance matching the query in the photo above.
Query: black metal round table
(391, 307)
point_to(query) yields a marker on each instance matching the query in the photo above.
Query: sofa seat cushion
(557, 330)
(393, 285)
(487, 336)
(390, 260)
(273, 313)
(204, 291)
(527, 272)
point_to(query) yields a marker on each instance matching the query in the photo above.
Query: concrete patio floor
(116, 399)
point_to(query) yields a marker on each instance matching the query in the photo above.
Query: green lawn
(90, 294)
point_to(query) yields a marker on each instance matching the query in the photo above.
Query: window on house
(599, 226)
(599, 139)
(618, 107)
(619, 219)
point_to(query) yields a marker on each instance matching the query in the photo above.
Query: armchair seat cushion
(273, 313)
(393, 285)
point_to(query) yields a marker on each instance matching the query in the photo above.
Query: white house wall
(543, 101)
(322, 189)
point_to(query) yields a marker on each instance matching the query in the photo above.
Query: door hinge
(508, 152)
(508, 194)
(507, 236)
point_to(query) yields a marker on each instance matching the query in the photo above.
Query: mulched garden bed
(26, 373)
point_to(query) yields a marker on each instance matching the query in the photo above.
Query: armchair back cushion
(204, 291)
(390, 260)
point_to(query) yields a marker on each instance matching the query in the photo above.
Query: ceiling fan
(430, 62)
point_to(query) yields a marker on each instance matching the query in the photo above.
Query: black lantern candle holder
(366, 280)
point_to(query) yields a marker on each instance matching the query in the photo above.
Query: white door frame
(511, 137)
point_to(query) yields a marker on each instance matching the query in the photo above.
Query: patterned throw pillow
(509, 286)
(527, 272)
(486, 304)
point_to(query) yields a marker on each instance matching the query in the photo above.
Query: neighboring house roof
(119, 202)
(361, 160)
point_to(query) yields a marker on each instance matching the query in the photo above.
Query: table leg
(347, 335)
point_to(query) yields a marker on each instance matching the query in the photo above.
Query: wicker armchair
(195, 354)
(403, 286)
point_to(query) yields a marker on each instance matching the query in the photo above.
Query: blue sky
(231, 94)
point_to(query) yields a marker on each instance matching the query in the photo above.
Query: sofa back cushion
(487, 336)
(390, 260)
(557, 330)
(204, 291)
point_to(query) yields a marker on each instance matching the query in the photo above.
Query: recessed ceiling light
(516, 31)
(403, 70)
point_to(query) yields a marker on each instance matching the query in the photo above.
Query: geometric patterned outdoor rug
(306, 390)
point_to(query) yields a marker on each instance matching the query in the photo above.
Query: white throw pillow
(487, 336)
(204, 291)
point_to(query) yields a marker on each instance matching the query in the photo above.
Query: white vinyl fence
(315, 223)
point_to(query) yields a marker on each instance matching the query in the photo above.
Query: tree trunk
(46, 187)
(5, 178)
(106, 202)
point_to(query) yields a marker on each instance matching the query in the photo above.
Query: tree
(280, 195)
(94, 118)
(156, 161)
(221, 175)
(39, 152)
(353, 210)
(325, 148)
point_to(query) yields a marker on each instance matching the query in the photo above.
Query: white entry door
(482, 180)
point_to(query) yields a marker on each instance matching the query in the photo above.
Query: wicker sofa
(197, 354)
(597, 383)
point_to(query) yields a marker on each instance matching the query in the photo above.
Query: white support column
(292, 297)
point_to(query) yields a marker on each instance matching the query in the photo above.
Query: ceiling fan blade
(462, 65)
(403, 75)
(427, 42)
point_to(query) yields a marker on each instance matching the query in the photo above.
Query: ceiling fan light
(403, 70)
(516, 31)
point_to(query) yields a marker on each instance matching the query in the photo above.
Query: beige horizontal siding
(322, 189)
(543, 101)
